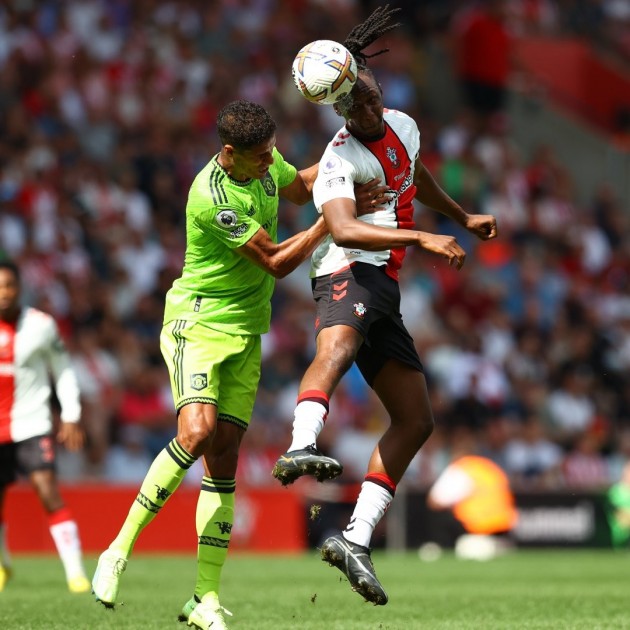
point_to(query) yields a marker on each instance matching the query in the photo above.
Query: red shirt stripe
(397, 166)
(7, 377)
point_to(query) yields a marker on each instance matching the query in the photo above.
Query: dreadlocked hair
(362, 35)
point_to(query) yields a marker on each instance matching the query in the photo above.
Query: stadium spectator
(356, 289)
(214, 317)
(144, 406)
(584, 466)
(532, 460)
(483, 57)
(31, 351)
(570, 410)
(98, 375)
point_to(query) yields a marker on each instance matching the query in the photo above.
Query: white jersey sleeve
(64, 378)
(335, 179)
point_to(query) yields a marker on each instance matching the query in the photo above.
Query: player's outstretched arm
(444, 245)
(429, 193)
(280, 259)
(347, 231)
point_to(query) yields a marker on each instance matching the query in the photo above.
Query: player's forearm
(372, 238)
(309, 175)
(300, 191)
(431, 195)
(295, 250)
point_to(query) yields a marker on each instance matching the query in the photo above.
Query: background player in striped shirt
(31, 352)
(356, 290)
(214, 317)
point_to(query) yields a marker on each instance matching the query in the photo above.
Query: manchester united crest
(199, 381)
(268, 185)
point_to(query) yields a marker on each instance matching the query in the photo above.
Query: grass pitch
(569, 589)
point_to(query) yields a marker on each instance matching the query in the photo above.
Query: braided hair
(362, 35)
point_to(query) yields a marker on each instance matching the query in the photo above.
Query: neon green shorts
(209, 366)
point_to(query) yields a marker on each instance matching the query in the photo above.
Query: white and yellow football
(324, 71)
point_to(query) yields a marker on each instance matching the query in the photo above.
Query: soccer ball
(324, 71)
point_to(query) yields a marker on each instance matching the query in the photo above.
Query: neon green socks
(215, 518)
(164, 476)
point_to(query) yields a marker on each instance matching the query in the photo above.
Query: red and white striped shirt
(348, 160)
(31, 354)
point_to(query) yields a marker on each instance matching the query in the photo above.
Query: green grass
(575, 590)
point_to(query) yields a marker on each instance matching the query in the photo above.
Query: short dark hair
(9, 265)
(244, 124)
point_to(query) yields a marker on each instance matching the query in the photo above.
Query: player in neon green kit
(618, 509)
(214, 316)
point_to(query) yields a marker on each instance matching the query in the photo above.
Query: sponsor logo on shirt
(268, 224)
(335, 181)
(408, 181)
(239, 231)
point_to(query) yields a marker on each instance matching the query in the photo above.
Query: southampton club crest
(393, 157)
(359, 310)
(199, 381)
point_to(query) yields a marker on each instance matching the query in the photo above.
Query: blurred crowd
(107, 111)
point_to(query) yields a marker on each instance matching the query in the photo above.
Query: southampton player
(31, 352)
(357, 295)
(214, 317)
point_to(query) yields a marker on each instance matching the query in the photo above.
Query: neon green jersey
(219, 287)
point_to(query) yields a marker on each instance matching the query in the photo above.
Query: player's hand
(483, 226)
(371, 196)
(71, 435)
(444, 245)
